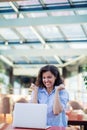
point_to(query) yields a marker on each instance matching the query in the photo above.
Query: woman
(50, 90)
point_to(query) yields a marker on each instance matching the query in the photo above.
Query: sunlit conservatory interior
(34, 33)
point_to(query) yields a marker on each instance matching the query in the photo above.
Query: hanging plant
(25, 82)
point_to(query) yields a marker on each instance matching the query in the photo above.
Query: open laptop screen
(30, 115)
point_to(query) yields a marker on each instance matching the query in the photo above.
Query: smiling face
(48, 80)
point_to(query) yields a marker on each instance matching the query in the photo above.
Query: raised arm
(57, 106)
(34, 93)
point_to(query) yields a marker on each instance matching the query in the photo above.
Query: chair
(76, 105)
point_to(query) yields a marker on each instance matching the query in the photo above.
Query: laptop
(30, 115)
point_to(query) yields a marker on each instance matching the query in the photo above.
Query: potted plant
(10, 88)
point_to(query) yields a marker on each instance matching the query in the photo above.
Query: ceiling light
(6, 43)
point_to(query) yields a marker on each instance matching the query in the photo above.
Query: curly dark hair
(54, 70)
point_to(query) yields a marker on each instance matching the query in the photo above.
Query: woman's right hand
(34, 87)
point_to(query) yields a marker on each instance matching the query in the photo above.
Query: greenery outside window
(85, 75)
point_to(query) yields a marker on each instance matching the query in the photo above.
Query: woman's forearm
(34, 98)
(57, 107)
(35, 94)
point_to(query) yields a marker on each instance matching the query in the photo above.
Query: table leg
(85, 127)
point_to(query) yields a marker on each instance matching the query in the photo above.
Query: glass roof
(39, 32)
